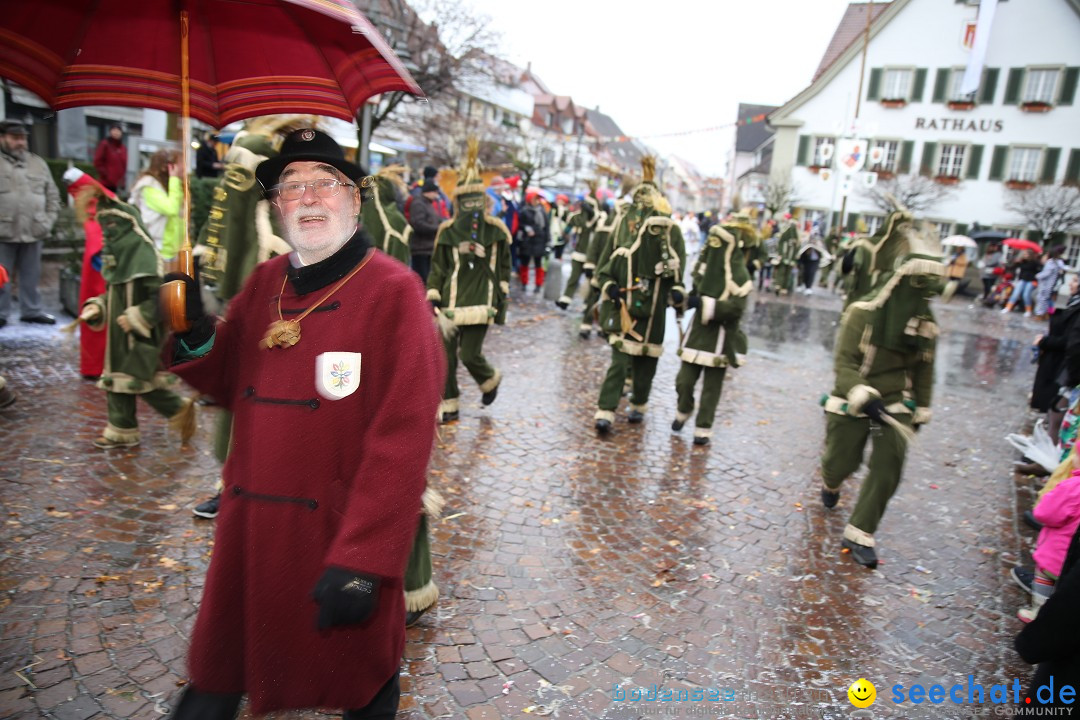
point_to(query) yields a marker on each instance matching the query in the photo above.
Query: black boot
(829, 498)
(603, 427)
(862, 554)
(448, 417)
(383, 706)
(196, 705)
(561, 304)
(634, 417)
(413, 616)
(701, 440)
(677, 425)
(489, 397)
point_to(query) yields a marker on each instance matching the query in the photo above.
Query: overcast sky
(666, 66)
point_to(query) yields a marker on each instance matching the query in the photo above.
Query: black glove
(916, 426)
(848, 263)
(694, 302)
(613, 292)
(677, 297)
(588, 273)
(193, 307)
(875, 410)
(345, 597)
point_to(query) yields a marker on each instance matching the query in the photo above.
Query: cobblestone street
(567, 564)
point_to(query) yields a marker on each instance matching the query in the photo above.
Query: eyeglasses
(323, 187)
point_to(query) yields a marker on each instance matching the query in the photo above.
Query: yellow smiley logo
(862, 693)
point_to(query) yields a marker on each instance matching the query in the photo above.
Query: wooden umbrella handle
(173, 294)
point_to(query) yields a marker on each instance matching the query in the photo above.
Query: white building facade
(1019, 129)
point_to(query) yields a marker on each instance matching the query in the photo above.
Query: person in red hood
(110, 159)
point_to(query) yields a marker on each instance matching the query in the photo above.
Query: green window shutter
(852, 221)
(961, 229)
(997, 162)
(1068, 89)
(989, 86)
(1051, 156)
(804, 150)
(873, 90)
(907, 151)
(974, 162)
(1072, 170)
(941, 84)
(1012, 86)
(929, 152)
(919, 86)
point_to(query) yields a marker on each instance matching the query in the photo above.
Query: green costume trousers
(641, 368)
(121, 406)
(710, 391)
(470, 340)
(587, 318)
(420, 590)
(576, 269)
(845, 441)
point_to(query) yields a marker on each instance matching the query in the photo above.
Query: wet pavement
(568, 565)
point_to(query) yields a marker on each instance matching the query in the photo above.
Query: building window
(956, 79)
(1024, 164)
(1072, 251)
(944, 228)
(823, 151)
(873, 223)
(1040, 85)
(951, 161)
(889, 149)
(897, 85)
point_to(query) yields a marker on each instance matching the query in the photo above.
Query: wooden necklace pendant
(282, 333)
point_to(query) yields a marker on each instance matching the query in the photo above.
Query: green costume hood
(128, 251)
(382, 219)
(900, 306)
(721, 272)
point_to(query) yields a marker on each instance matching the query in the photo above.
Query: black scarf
(310, 278)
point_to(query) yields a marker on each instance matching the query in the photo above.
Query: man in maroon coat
(303, 605)
(110, 159)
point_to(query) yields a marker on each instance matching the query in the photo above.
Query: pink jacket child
(1059, 512)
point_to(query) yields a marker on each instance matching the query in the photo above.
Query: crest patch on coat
(337, 374)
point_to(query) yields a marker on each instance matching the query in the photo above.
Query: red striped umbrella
(247, 57)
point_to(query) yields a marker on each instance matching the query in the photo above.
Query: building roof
(852, 26)
(748, 138)
(603, 125)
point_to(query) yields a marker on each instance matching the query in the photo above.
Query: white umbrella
(959, 241)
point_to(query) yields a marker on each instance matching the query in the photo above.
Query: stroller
(1002, 290)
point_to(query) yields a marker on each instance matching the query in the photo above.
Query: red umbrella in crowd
(215, 60)
(1020, 244)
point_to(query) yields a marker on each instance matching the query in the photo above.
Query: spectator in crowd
(425, 220)
(534, 240)
(207, 162)
(110, 159)
(1026, 267)
(1053, 638)
(1049, 278)
(991, 268)
(158, 193)
(442, 203)
(30, 206)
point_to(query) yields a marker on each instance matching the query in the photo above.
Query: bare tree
(444, 43)
(1049, 209)
(778, 195)
(917, 193)
(536, 159)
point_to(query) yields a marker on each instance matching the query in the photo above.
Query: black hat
(306, 144)
(429, 186)
(431, 171)
(14, 127)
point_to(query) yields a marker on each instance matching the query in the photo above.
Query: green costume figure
(384, 223)
(884, 363)
(787, 248)
(390, 232)
(134, 329)
(604, 228)
(715, 341)
(636, 285)
(584, 223)
(469, 284)
(870, 260)
(833, 246)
